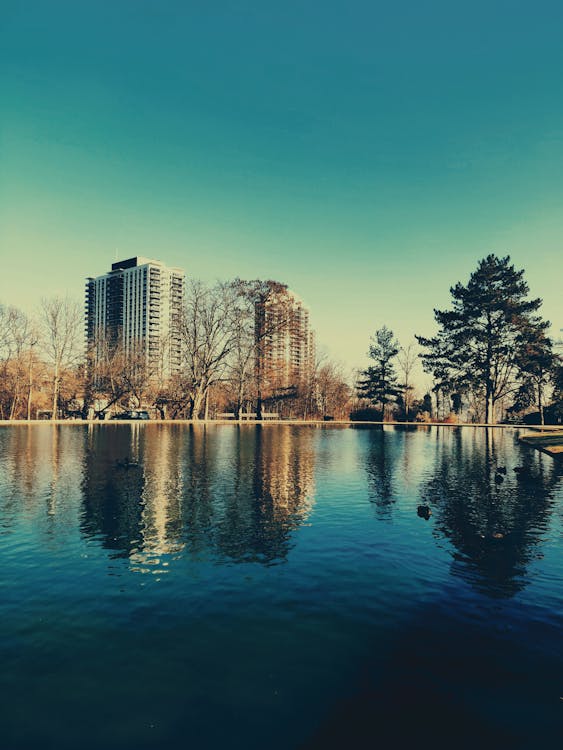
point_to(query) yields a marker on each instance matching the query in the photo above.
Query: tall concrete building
(287, 349)
(138, 304)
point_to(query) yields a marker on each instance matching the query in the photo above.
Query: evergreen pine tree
(536, 362)
(379, 382)
(480, 339)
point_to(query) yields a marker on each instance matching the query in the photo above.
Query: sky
(367, 154)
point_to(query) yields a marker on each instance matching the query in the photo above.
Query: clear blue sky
(366, 154)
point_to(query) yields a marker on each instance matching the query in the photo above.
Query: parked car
(132, 414)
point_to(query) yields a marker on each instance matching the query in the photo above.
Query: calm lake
(274, 587)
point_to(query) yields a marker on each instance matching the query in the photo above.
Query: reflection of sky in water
(241, 557)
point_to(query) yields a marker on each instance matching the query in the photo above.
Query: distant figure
(501, 470)
(424, 511)
(499, 479)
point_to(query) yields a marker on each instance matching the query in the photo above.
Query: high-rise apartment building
(138, 305)
(286, 344)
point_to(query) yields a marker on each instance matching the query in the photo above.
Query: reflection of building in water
(273, 493)
(160, 531)
(286, 470)
(132, 491)
(238, 492)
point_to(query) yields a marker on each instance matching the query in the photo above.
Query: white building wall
(151, 301)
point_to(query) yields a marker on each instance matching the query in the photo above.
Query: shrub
(368, 414)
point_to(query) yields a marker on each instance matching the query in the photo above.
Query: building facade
(137, 305)
(285, 341)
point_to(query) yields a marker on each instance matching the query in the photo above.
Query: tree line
(490, 358)
(46, 372)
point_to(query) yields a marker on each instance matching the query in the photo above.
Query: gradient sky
(366, 154)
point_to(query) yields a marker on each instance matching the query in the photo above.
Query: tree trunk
(55, 396)
(29, 386)
(259, 364)
(14, 404)
(489, 409)
(259, 404)
(238, 410)
(540, 406)
(85, 403)
(197, 405)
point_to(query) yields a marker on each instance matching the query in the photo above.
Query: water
(274, 587)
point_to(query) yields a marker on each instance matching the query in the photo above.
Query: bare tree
(241, 362)
(407, 359)
(61, 328)
(17, 338)
(208, 330)
(113, 375)
(31, 341)
(333, 393)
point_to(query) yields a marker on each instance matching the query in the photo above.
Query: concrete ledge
(548, 441)
(109, 422)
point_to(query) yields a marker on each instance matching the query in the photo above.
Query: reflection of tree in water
(494, 523)
(381, 464)
(237, 492)
(201, 487)
(41, 465)
(112, 510)
(19, 478)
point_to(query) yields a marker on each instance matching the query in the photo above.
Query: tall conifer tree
(480, 339)
(379, 382)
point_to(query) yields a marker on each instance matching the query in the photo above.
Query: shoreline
(547, 439)
(287, 422)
